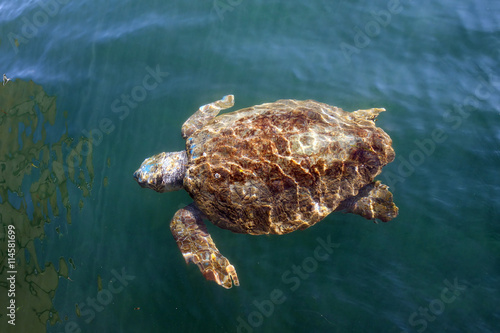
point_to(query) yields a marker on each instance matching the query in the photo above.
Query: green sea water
(96, 87)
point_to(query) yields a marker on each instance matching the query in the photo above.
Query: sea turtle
(270, 169)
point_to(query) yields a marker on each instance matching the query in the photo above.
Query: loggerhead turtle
(270, 169)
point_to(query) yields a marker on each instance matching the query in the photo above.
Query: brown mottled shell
(282, 166)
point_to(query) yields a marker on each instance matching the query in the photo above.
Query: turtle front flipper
(373, 201)
(204, 114)
(197, 246)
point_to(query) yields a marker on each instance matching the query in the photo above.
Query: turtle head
(163, 172)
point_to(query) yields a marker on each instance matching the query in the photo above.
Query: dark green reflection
(28, 161)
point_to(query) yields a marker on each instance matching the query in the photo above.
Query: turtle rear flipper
(373, 201)
(197, 246)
